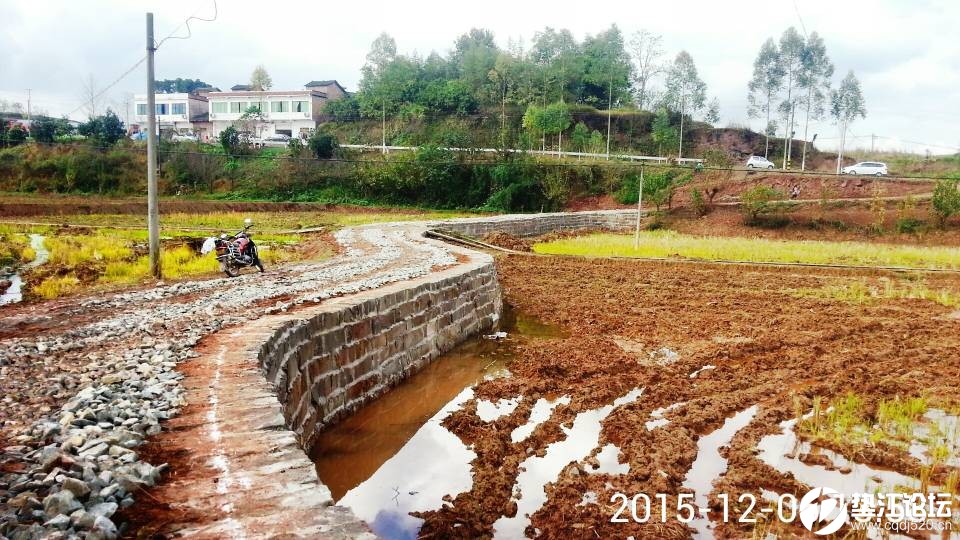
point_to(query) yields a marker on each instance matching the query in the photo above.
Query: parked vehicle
(874, 168)
(184, 137)
(277, 137)
(759, 162)
(234, 252)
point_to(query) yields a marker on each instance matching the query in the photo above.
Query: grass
(56, 286)
(862, 292)
(14, 246)
(662, 243)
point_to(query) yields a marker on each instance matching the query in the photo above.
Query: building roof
(241, 88)
(331, 82)
(266, 93)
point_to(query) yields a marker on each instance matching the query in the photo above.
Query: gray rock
(103, 529)
(105, 509)
(79, 488)
(61, 522)
(62, 502)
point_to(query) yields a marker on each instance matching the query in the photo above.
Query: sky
(905, 53)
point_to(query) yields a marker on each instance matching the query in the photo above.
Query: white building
(181, 113)
(294, 112)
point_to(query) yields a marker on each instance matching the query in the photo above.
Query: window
(237, 107)
(161, 108)
(141, 109)
(256, 106)
(279, 106)
(219, 106)
(300, 106)
(178, 108)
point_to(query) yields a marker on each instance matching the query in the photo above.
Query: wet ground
(671, 379)
(14, 292)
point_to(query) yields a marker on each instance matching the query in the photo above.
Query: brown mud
(769, 348)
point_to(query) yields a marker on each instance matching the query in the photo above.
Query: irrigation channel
(14, 292)
(393, 456)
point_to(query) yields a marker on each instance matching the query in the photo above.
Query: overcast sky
(906, 53)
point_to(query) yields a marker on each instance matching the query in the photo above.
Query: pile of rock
(79, 469)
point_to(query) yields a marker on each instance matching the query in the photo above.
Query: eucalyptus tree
(765, 85)
(260, 79)
(846, 105)
(607, 70)
(712, 115)
(791, 57)
(815, 76)
(646, 49)
(685, 91)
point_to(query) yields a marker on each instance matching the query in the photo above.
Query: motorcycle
(234, 252)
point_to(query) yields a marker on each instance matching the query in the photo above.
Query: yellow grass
(55, 287)
(862, 292)
(659, 244)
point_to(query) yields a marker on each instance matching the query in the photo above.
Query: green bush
(230, 140)
(759, 202)
(946, 200)
(909, 225)
(697, 203)
(322, 145)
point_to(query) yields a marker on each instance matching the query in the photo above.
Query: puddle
(608, 462)
(540, 413)
(701, 370)
(535, 472)
(657, 416)
(529, 326)
(709, 465)
(939, 429)
(782, 451)
(488, 411)
(393, 456)
(14, 292)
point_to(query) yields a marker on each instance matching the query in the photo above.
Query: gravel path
(85, 380)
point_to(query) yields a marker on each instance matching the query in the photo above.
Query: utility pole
(29, 116)
(153, 206)
(873, 140)
(609, 113)
(636, 236)
(683, 104)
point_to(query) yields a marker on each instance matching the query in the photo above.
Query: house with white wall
(180, 113)
(291, 112)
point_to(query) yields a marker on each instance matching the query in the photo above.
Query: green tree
(946, 200)
(178, 85)
(230, 140)
(712, 116)
(580, 137)
(344, 109)
(846, 105)
(260, 79)
(322, 145)
(791, 53)
(645, 49)
(16, 135)
(664, 133)
(765, 85)
(104, 130)
(43, 129)
(685, 91)
(814, 77)
(760, 201)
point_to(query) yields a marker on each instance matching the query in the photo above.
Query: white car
(277, 137)
(874, 168)
(184, 137)
(758, 162)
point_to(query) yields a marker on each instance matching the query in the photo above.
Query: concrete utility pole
(383, 128)
(609, 114)
(636, 236)
(680, 148)
(29, 116)
(153, 206)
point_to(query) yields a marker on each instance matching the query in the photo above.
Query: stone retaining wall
(351, 350)
(537, 224)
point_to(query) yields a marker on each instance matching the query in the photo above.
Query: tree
(765, 85)
(846, 105)
(791, 58)
(946, 200)
(580, 137)
(712, 115)
(816, 71)
(760, 201)
(230, 140)
(43, 129)
(178, 85)
(16, 135)
(685, 90)
(103, 130)
(260, 79)
(322, 145)
(91, 97)
(663, 132)
(608, 68)
(646, 49)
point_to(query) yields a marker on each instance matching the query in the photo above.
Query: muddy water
(393, 456)
(14, 292)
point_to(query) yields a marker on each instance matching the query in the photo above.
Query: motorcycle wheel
(229, 269)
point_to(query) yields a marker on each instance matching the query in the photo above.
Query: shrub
(230, 140)
(697, 203)
(295, 147)
(760, 201)
(344, 109)
(946, 200)
(322, 145)
(909, 225)
(16, 135)
(43, 129)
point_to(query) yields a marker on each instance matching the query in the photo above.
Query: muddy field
(688, 354)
